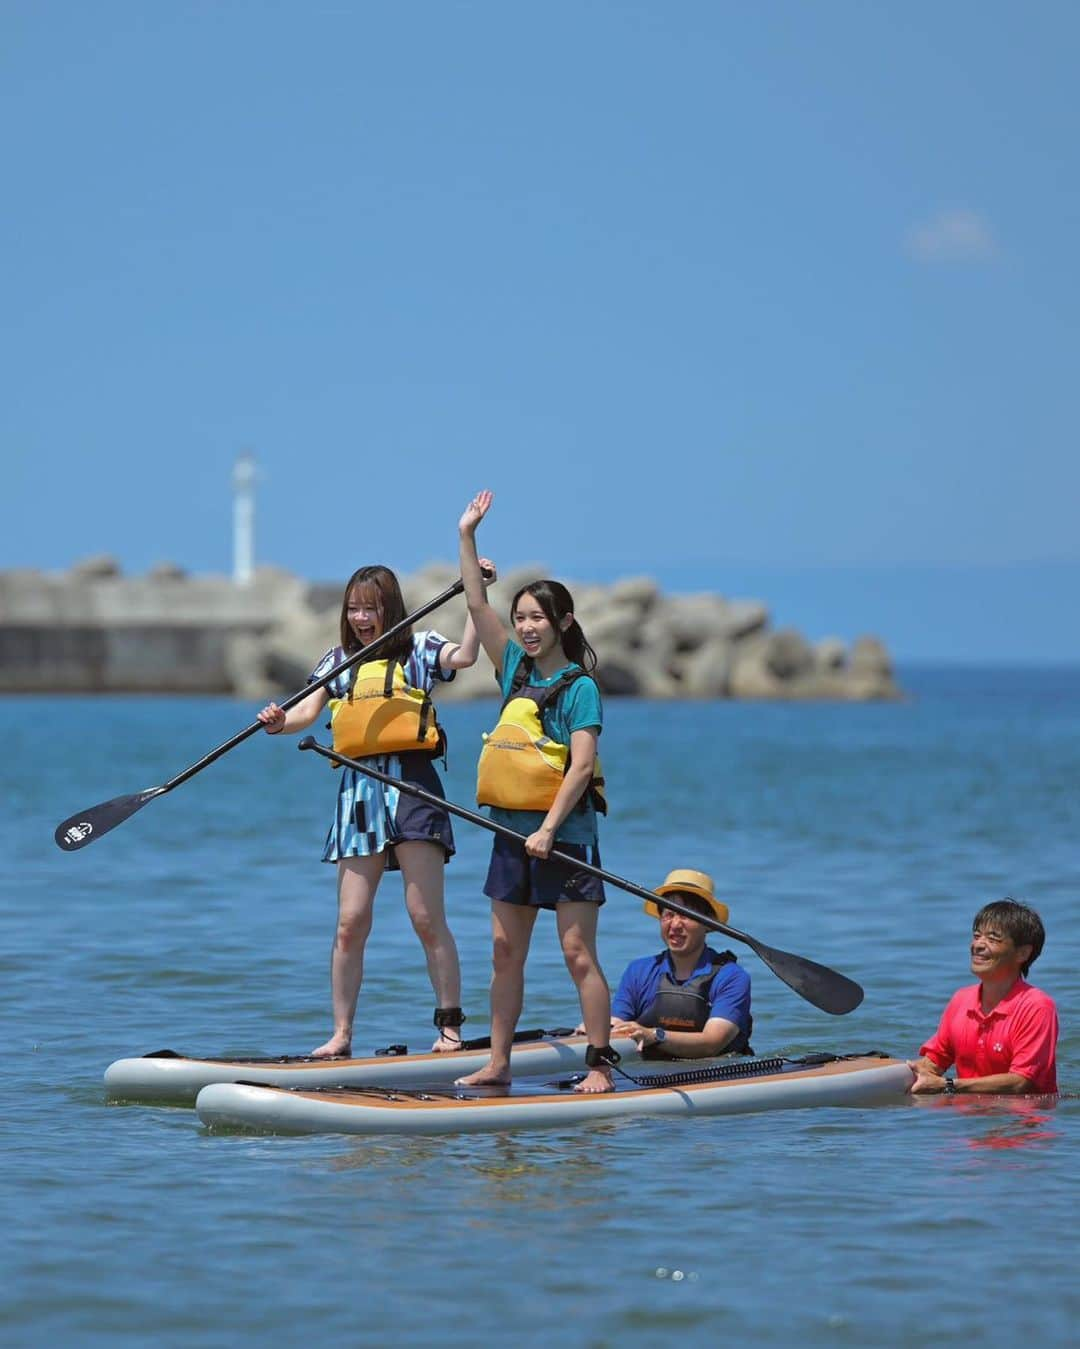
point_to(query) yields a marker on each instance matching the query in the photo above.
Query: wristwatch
(660, 1035)
(950, 1086)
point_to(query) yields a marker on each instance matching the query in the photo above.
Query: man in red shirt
(1001, 1033)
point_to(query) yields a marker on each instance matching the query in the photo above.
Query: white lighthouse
(244, 519)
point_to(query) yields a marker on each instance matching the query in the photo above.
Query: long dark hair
(383, 588)
(556, 602)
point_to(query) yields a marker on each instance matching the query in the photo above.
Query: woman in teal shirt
(544, 669)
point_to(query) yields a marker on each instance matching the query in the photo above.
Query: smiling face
(682, 936)
(364, 612)
(372, 604)
(994, 954)
(534, 630)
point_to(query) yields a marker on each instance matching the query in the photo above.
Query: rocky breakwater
(649, 645)
(93, 630)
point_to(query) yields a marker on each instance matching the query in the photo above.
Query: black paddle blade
(80, 830)
(832, 992)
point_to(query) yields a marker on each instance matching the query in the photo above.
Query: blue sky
(766, 299)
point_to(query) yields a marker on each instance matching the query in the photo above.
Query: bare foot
(337, 1046)
(595, 1081)
(446, 1044)
(488, 1076)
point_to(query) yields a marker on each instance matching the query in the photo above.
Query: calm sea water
(863, 837)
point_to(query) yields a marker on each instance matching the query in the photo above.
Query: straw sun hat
(686, 882)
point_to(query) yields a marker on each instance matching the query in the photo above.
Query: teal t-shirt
(576, 709)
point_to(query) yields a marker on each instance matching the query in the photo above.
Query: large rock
(615, 627)
(870, 658)
(323, 597)
(706, 672)
(769, 665)
(751, 676)
(743, 618)
(692, 619)
(830, 653)
(618, 676)
(638, 592)
(252, 672)
(787, 654)
(291, 650)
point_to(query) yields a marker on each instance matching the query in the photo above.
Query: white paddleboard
(166, 1077)
(751, 1085)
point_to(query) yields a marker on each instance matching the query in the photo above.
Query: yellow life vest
(383, 714)
(521, 767)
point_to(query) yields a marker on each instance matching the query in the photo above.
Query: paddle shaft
(832, 992)
(309, 742)
(298, 697)
(78, 831)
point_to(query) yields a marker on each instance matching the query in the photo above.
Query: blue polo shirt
(729, 992)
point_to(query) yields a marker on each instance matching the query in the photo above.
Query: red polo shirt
(1018, 1036)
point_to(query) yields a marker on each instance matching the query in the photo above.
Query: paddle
(832, 992)
(77, 831)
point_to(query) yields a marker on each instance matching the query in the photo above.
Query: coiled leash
(717, 1072)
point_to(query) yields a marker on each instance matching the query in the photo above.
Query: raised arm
(460, 656)
(490, 628)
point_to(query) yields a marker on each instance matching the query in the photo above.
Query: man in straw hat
(689, 1001)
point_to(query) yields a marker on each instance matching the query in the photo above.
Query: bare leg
(423, 868)
(577, 932)
(358, 879)
(512, 927)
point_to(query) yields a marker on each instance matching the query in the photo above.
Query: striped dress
(370, 817)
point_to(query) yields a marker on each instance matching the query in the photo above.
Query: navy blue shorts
(371, 818)
(542, 883)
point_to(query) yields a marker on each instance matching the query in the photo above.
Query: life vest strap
(385, 716)
(522, 766)
(721, 958)
(542, 697)
(427, 711)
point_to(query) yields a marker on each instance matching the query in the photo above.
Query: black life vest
(686, 1006)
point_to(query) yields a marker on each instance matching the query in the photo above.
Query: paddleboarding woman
(380, 710)
(538, 774)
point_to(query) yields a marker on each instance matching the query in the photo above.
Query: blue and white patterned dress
(370, 817)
